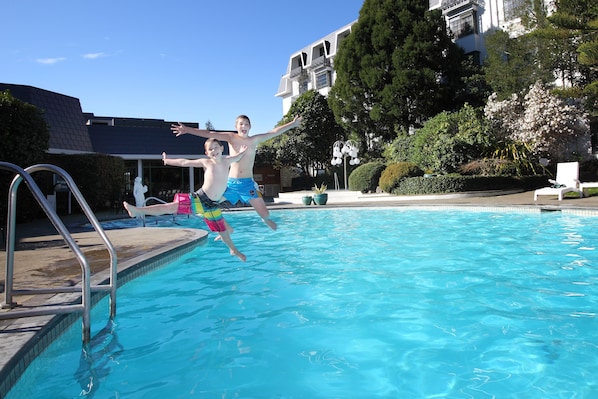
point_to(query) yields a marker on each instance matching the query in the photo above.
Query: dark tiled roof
(76, 131)
(138, 140)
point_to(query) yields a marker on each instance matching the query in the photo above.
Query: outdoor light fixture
(340, 151)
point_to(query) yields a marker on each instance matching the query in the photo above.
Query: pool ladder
(85, 288)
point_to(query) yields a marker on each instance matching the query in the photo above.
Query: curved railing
(85, 288)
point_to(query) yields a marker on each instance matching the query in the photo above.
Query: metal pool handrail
(86, 288)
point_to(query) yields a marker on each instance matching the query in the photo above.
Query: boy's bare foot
(238, 254)
(271, 223)
(131, 209)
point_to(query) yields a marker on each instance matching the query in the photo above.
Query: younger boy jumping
(204, 201)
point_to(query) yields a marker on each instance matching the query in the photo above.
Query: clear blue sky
(179, 60)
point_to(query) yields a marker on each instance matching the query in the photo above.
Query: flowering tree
(504, 115)
(552, 127)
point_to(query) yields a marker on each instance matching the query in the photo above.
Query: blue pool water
(351, 303)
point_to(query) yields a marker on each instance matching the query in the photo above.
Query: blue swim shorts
(241, 190)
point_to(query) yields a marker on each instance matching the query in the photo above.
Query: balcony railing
(320, 62)
(452, 4)
(297, 72)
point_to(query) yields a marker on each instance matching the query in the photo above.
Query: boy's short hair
(242, 117)
(210, 141)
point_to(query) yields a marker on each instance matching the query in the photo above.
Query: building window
(512, 8)
(463, 25)
(302, 87)
(322, 80)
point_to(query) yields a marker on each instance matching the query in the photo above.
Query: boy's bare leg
(260, 207)
(225, 237)
(154, 210)
(228, 228)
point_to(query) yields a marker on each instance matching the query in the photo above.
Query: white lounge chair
(567, 180)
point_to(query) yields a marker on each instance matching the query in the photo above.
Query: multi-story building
(312, 66)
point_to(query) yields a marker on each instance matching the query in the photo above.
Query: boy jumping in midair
(241, 186)
(205, 200)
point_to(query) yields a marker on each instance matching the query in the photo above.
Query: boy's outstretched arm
(238, 156)
(181, 161)
(179, 129)
(277, 131)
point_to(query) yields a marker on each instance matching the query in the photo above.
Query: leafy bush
(25, 138)
(393, 174)
(401, 148)
(98, 177)
(365, 177)
(23, 131)
(489, 167)
(449, 140)
(520, 153)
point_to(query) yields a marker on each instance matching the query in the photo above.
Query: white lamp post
(340, 151)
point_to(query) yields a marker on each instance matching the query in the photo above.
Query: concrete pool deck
(43, 259)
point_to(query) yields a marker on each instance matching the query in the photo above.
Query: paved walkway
(43, 259)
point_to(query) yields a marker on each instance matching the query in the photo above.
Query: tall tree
(577, 20)
(515, 63)
(25, 138)
(309, 145)
(558, 37)
(547, 51)
(23, 132)
(397, 68)
(511, 66)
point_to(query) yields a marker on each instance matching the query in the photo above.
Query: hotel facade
(312, 67)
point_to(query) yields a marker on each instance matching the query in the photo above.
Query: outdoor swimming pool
(351, 303)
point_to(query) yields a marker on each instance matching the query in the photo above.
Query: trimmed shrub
(365, 177)
(457, 183)
(431, 185)
(395, 173)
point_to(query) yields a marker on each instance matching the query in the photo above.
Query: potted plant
(429, 173)
(320, 195)
(307, 199)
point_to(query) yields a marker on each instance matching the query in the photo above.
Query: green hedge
(455, 184)
(100, 178)
(365, 177)
(395, 173)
